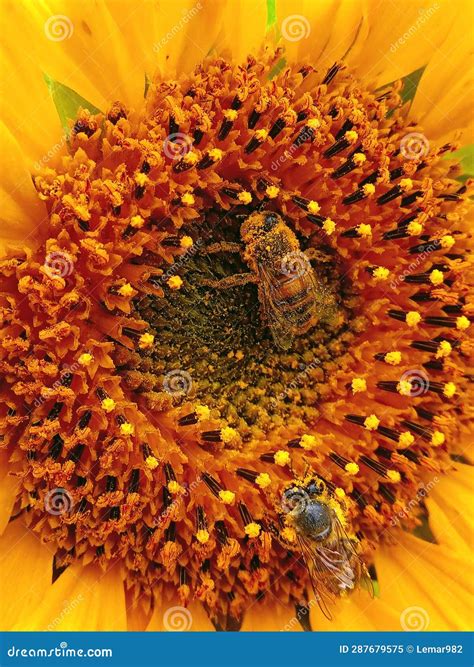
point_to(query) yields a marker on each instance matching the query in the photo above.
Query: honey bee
(330, 555)
(292, 298)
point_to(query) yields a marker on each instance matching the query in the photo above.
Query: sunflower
(150, 422)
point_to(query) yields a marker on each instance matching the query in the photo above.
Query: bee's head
(257, 223)
(316, 487)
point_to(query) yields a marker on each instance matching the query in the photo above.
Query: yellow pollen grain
(412, 318)
(216, 154)
(313, 123)
(141, 179)
(146, 341)
(352, 468)
(261, 135)
(263, 480)
(364, 230)
(406, 439)
(358, 385)
(368, 189)
(186, 242)
(359, 159)
(202, 536)
(462, 323)
(137, 221)
(414, 228)
(272, 191)
(329, 226)
(127, 429)
(229, 435)
(281, 457)
(406, 184)
(230, 114)
(437, 438)
(252, 529)
(308, 441)
(151, 462)
(449, 389)
(393, 358)
(351, 136)
(436, 277)
(393, 475)
(444, 349)
(381, 273)
(174, 486)
(175, 282)
(339, 493)
(191, 157)
(447, 241)
(126, 290)
(313, 206)
(202, 412)
(371, 422)
(188, 199)
(85, 359)
(289, 534)
(245, 197)
(227, 497)
(404, 387)
(239, 355)
(108, 404)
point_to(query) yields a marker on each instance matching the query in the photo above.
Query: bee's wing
(318, 576)
(344, 544)
(278, 319)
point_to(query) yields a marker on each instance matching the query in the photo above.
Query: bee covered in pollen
(292, 298)
(330, 554)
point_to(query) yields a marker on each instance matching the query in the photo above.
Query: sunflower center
(213, 339)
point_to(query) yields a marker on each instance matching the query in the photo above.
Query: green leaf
(410, 85)
(271, 14)
(67, 102)
(147, 85)
(465, 156)
(277, 68)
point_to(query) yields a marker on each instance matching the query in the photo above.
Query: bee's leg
(222, 246)
(238, 279)
(314, 253)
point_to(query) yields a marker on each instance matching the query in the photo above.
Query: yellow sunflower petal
(20, 209)
(426, 584)
(324, 31)
(8, 489)
(443, 102)
(83, 598)
(448, 502)
(23, 587)
(357, 612)
(271, 616)
(402, 38)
